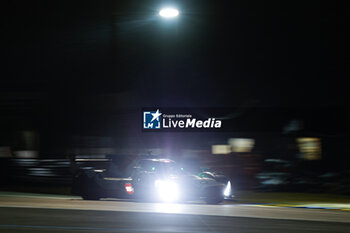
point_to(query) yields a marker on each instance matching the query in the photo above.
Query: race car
(152, 179)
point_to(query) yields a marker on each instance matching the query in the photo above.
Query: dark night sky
(105, 55)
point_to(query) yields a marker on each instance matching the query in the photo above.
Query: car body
(152, 179)
(220, 178)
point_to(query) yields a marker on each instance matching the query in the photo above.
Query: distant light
(241, 144)
(169, 12)
(310, 148)
(153, 168)
(221, 149)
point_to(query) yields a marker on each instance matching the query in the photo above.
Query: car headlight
(228, 191)
(167, 190)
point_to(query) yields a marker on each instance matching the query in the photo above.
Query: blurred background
(75, 76)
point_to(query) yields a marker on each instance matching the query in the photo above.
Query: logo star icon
(156, 115)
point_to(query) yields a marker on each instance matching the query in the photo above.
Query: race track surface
(23, 213)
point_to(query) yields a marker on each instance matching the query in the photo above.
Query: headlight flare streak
(228, 191)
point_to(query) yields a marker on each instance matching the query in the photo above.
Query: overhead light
(169, 12)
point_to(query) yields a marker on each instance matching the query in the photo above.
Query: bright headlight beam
(227, 191)
(169, 12)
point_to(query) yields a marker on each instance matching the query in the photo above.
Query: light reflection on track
(231, 210)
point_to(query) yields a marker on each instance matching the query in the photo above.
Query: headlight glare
(167, 191)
